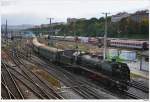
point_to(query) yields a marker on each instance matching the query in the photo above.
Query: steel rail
(54, 92)
(18, 92)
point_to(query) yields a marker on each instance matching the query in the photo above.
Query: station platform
(139, 73)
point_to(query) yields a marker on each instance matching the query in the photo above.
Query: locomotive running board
(76, 86)
(70, 66)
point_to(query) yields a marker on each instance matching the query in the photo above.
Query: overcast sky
(36, 11)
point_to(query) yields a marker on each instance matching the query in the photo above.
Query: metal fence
(132, 58)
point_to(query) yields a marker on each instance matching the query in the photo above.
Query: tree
(145, 26)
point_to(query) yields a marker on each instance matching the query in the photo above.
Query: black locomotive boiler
(111, 73)
(115, 72)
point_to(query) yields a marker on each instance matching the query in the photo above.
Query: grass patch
(133, 75)
(52, 80)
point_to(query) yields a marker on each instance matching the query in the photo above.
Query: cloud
(69, 8)
(7, 2)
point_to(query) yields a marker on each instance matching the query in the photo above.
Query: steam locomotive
(111, 73)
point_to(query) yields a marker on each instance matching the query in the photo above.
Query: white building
(119, 16)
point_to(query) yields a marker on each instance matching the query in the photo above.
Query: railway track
(126, 93)
(45, 89)
(139, 86)
(71, 83)
(37, 86)
(85, 92)
(129, 94)
(84, 87)
(132, 95)
(19, 76)
(84, 82)
(41, 82)
(24, 80)
(10, 84)
(6, 93)
(88, 93)
(80, 90)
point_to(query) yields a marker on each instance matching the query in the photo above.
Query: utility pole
(75, 37)
(6, 32)
(105, 37)
(50, 34)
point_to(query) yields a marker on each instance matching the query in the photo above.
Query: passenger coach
(129, 44)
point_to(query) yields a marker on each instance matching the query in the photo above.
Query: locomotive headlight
(119, 66)
(117, 82)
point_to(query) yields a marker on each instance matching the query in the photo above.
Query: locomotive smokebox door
(113, 60)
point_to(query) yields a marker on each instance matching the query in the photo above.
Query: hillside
(135, 25)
